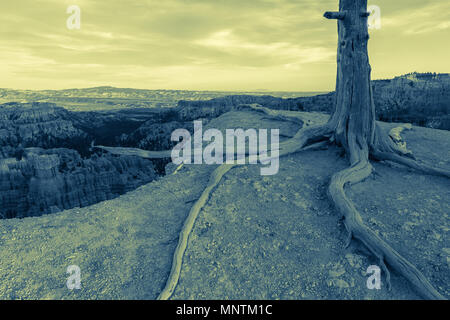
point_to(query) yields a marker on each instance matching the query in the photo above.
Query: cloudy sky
(233, 45)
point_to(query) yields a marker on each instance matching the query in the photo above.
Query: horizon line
(225, 91)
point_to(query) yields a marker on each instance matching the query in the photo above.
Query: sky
(227, 45)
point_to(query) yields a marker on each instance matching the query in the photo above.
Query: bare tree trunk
(352, 126)
(355, 129)
(353, 119)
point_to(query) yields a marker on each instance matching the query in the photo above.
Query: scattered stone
(354, 261)
(339, 283)
(337, 271)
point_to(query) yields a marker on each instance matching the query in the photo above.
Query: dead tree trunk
(354, 127)
(353, 119)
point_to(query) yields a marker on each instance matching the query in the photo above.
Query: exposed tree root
(395, 135)
(318, 136)
(352, 126)
(410, 163)
(353, 221)
(356, 229)
(360, 169)
(214, 180)
(137, 152)
(384, 143)
(177, 261)
(304, 118)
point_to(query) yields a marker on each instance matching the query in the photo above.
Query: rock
(339, 283)
(46, 165)
(354, 260)
(36, 125)
(337, 271)
(56, 179)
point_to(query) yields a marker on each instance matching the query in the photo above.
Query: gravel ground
(274, 237)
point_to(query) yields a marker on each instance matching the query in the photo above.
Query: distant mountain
(106, 98)
(419, 98)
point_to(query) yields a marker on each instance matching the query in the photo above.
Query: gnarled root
(384, 142)
(317, 136)
(305, 118)
(290, 147)
(384, 148)
(136, 152)
(356, 228)
(410, 163)
(177, 261)
(306, 136)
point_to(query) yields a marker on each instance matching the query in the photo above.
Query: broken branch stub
(335, 15)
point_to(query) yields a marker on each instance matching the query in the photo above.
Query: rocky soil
(258, 237)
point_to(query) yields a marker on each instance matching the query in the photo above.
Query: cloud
(229, 44)
(282, 53)
(430, 18)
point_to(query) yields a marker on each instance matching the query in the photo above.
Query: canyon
(47, 163)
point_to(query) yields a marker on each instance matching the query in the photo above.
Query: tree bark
(354, 128)
(353, 119)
